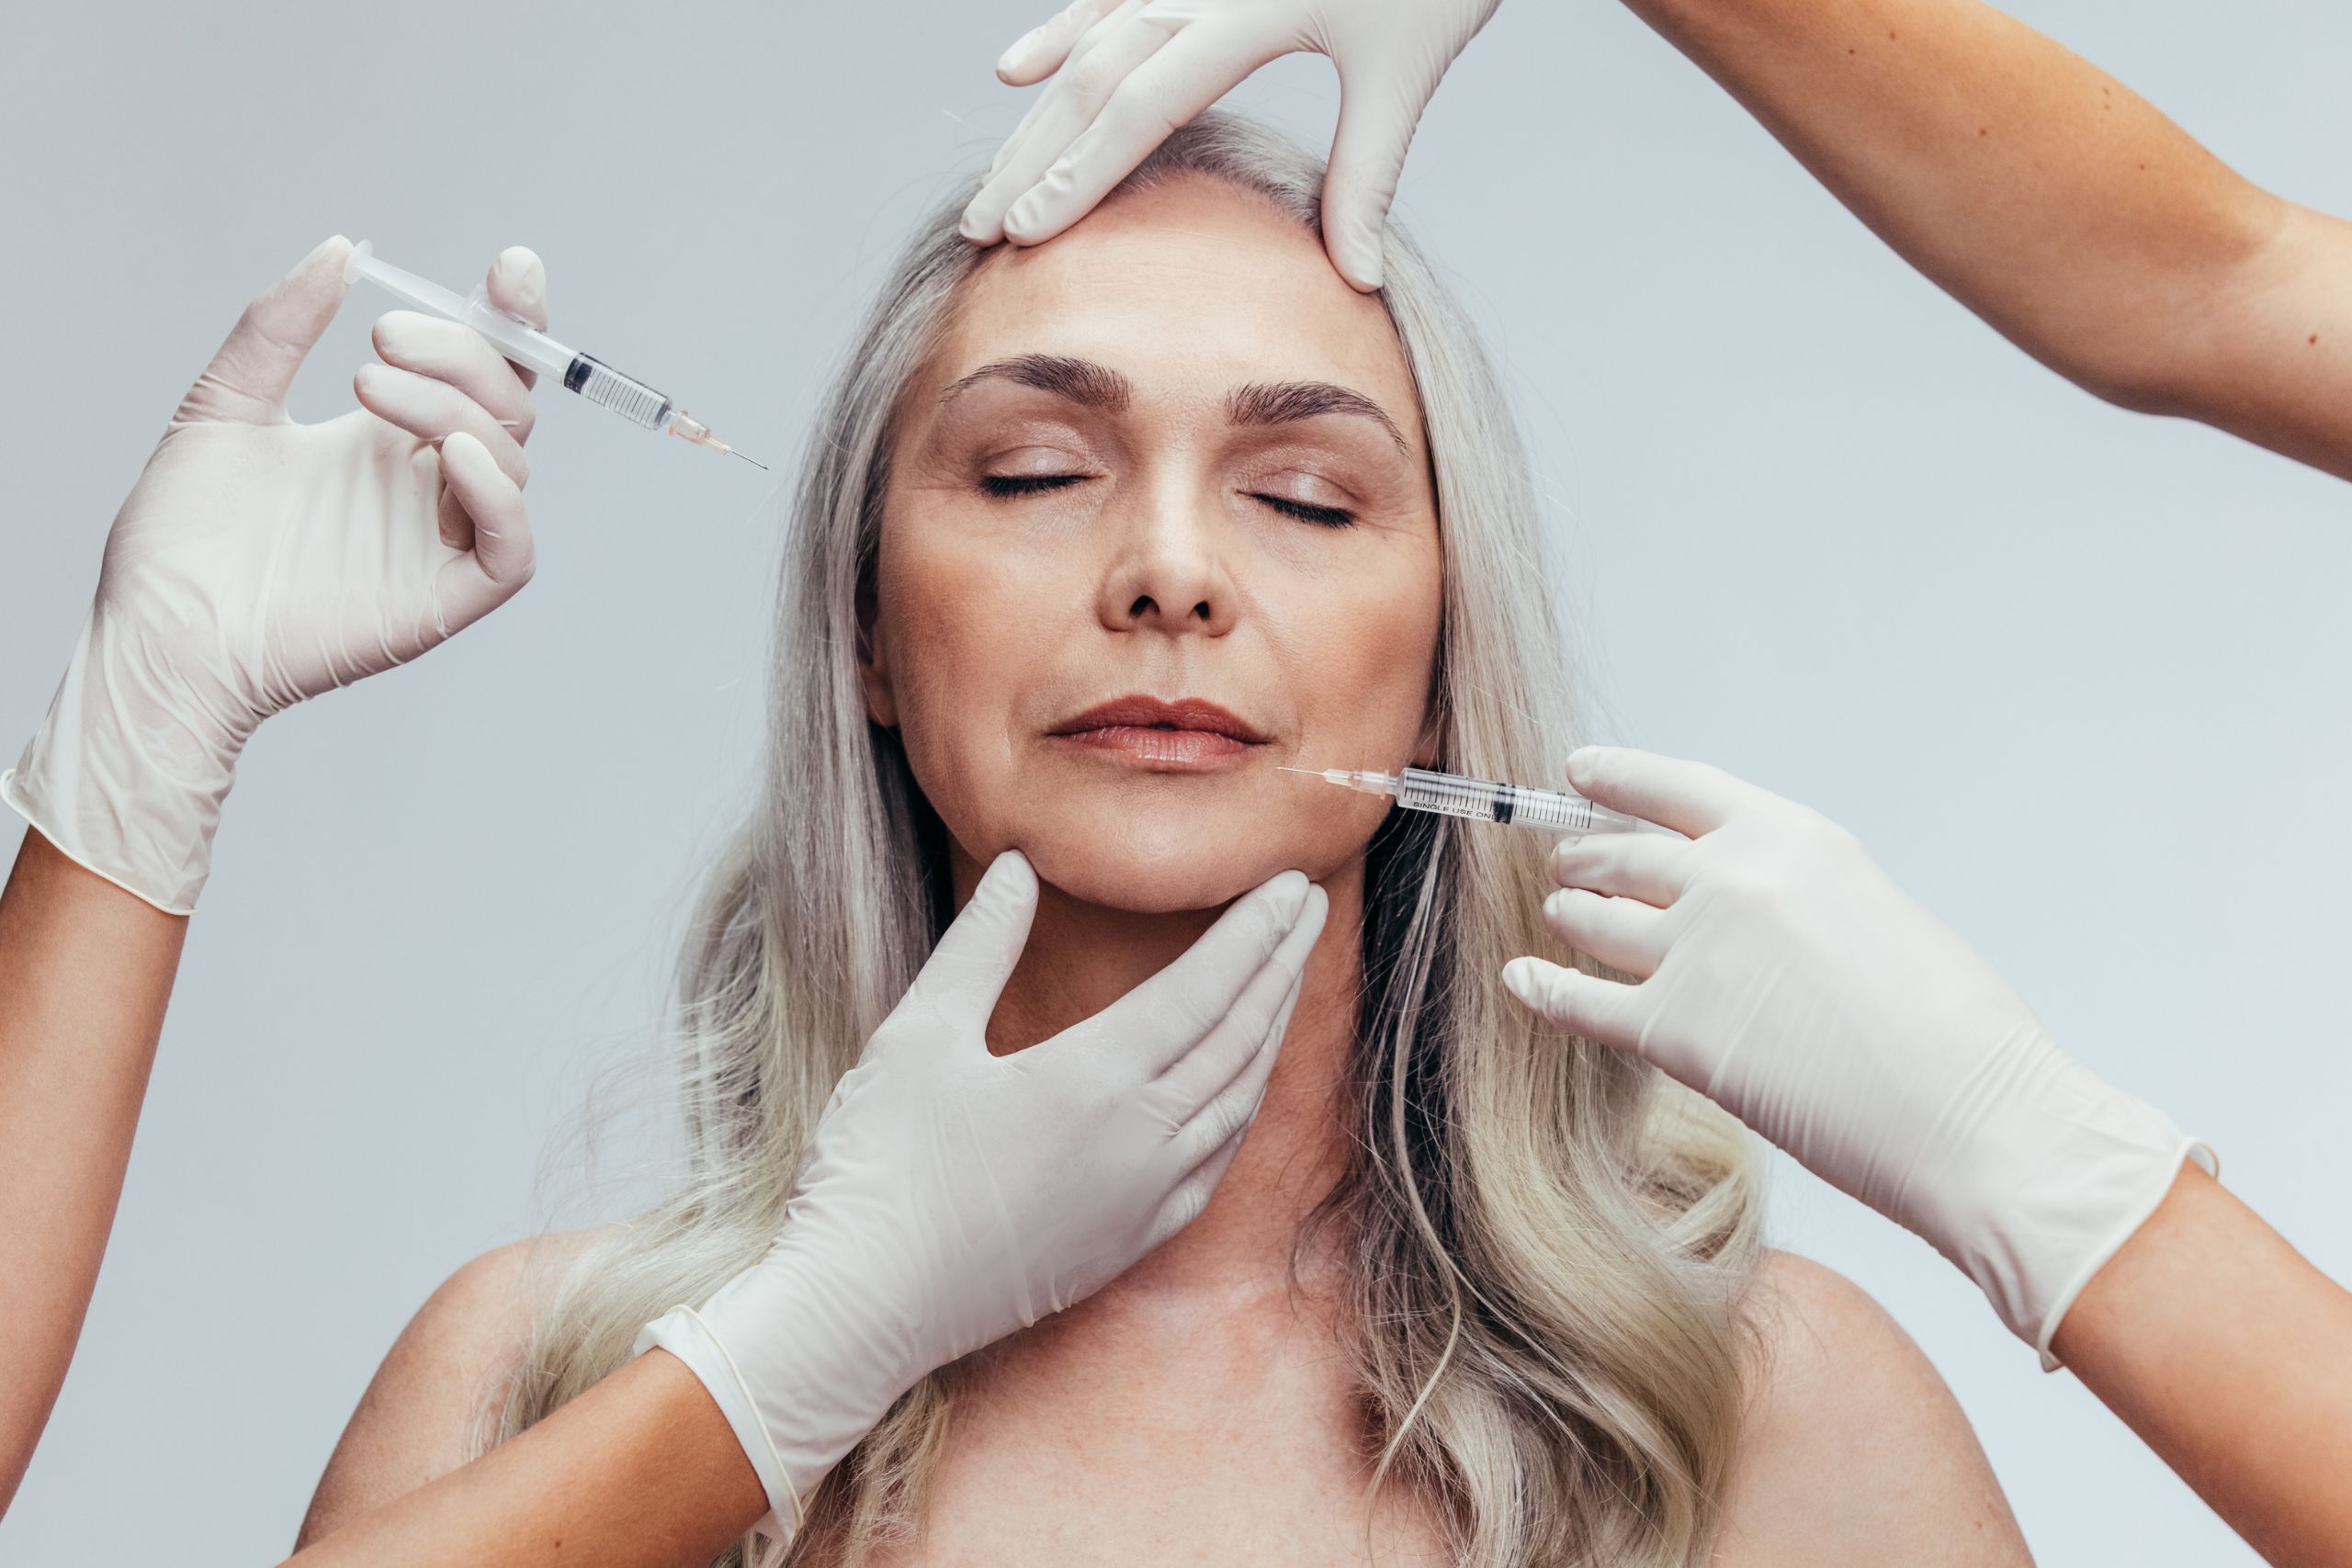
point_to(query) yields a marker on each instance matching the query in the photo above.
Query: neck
(1081, 957)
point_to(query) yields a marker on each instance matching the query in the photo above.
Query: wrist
(2051, 1183)
(801, 1368)
(122, 778)
(2157, 1179)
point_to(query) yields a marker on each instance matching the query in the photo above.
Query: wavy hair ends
(1546, 1241)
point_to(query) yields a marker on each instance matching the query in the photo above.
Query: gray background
(2075, 674)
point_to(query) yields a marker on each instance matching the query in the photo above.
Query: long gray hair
(1545, 1240)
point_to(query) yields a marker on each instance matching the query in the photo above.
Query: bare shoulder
(1855, 1450)
(423, 1411)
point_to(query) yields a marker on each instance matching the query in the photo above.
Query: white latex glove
(1125, 75)
(1789, 980)
(258, 562)
(949, 1197)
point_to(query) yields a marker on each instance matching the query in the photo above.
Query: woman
(1512, 1280)
(2103, 240)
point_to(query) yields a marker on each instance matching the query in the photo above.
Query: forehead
(1188, 289)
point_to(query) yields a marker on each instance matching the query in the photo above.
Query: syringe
(1553, 810)
(526, 344)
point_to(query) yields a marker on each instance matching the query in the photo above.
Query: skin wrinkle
(1099, 386)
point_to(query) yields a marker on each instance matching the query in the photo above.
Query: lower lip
(1161, 748)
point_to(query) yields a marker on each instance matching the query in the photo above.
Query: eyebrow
(1098, 386)
(1079, 380)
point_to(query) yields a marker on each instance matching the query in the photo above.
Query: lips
(1143, 712)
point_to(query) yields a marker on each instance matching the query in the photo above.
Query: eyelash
(1008, 485)
(1025, 484)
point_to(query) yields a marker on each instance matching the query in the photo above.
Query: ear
(873, 665)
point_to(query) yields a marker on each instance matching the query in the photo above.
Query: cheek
(967, 632)
(1365, 657)
(1359, 662)
(951, 610)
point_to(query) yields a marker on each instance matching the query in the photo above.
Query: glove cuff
(2054, 1182)
(2126, 1227)
(682, 1333)
(801, 1369)
(120, 780)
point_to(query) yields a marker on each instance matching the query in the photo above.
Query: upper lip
(1145, 711)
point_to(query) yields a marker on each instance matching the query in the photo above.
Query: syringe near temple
(634, 400)
(527, 346)
(687, 426)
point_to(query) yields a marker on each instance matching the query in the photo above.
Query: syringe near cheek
(1484, 800)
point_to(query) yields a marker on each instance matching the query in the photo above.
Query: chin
(1152, 870)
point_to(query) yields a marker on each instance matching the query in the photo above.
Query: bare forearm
(86, 970)
(2055, 203)
(2230, 1356)
(640, 1472)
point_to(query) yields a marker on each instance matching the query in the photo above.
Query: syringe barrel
(1486, 801)
(625, 395)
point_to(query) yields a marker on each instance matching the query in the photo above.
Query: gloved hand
(258, 562)
(949, 1197)
(1126, 73)
(1789, 980)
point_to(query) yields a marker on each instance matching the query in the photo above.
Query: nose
(1169, 571)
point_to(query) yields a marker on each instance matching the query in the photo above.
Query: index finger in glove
(960, 982)
(429, 408)
(449, 351)
(516, 284)
(1608, 1012)
(1065, 109)
(1691, 798)
(1648, 866)
(1219, 1129)
(1165, 1017)
(453, 351)
(1247, 1029)
(1197, 67)
(1081, 66)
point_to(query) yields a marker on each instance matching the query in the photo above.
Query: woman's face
(1169, 453)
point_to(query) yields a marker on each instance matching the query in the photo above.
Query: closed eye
(1025, 484)
(1039, 484)
(1307, 511)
